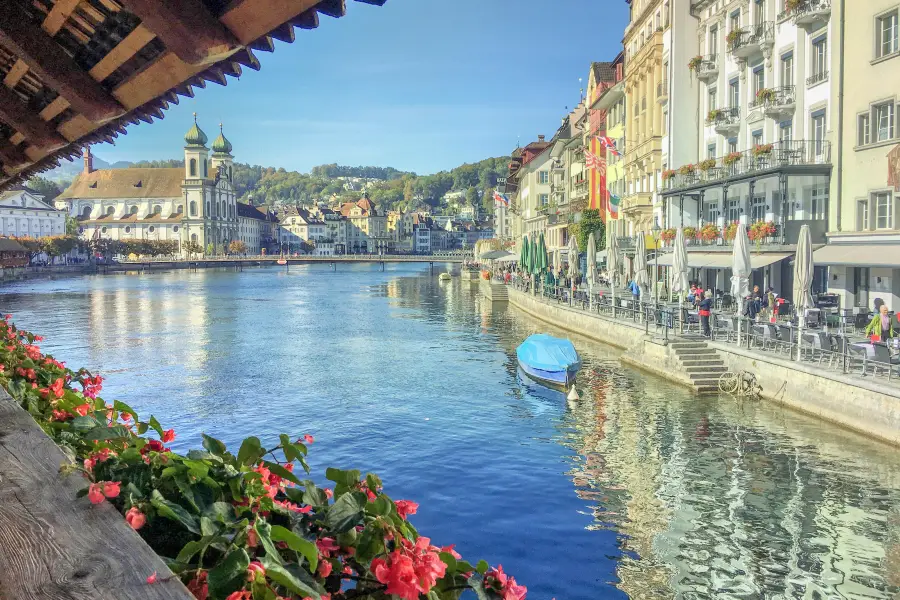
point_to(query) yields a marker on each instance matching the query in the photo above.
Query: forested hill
(389, 188)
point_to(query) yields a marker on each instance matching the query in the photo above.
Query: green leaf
(155, 425)
(264, 532)
(190, 549)
(381, 507)
(293, 578)
(229, 575)
(142, 428)
(124, 408)
(297, 544)
(348, 478)
(312, 495)
(464, 567)
(197, 468)
(476, 582)
(212, 445)
(261, 591)
(344, 514)
(187, 492)
(282, 472)
(482, 567)
(201, 455)
(373, 481)
(222, 512)
(370, 544)
(116, 432)
(251, 451)
(82, 424)
(173, 511)
(450, 561)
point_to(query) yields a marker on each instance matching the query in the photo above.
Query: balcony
(811, 14)
(708, 68)
(744, 43)
(580, 189)
(817, 78)
(727, 121)
(662, 91)
(767, 157)
(776, 102)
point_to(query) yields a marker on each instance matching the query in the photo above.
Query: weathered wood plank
(124, 50)
(54, 546)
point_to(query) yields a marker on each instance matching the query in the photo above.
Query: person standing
(882, 325)
(706, 306)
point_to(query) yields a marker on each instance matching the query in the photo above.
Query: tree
(71, 226)
(57, 245)
(487, 202)
(591, 223)
(472, 196)
(191, 248)
(210, 249)
(48, 189)
(237, 247)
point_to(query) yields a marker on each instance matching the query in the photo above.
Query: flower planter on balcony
(782, 102)
(811, 14)
(753, 41)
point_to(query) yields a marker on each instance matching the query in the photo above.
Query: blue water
(637, 490)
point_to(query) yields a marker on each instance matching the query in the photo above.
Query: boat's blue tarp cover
(548, 353)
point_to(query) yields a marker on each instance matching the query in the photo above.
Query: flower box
(714, 115)
(694, 63)
(708, 233)
(792, 5)
(689, 233)
(761, 230)
(733, 37)
(706, 165)
(731, 158)
(668, 174)
(668, 235)
(687, 170)
(763, 150)
(730, 231)
(765, 95)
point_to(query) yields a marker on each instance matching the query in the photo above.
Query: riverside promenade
(856, 394)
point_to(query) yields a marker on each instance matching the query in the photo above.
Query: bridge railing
(305, 258)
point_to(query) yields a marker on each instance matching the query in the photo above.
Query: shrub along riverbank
(238, 526)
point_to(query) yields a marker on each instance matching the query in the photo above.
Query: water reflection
(638, 489)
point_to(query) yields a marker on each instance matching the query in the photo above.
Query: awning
(720, 260)
(861, 255)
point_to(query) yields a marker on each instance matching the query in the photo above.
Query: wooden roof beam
(46, 58)
(36, 130)
(186, 27)
(12, 156)
(249, 20)
(332, 8)
(306, 20)
(58, 15)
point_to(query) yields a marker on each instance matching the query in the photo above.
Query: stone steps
(710, 369)
(701, 364)
(710, 362)
(694, 352)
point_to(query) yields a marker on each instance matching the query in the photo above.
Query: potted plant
(762, 150)
(761, 230)
(714, 115)
(792, 5)
(731, 158)
(690, 233)
(733, 37)
(765, 95)
(668, 235)
(687, 170)
(730, 231)
(668, 174)
(694, 63)
(708, 232)
(706, 165)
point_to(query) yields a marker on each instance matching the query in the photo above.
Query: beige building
(863, 249)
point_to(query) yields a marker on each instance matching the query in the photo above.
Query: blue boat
(549, 360)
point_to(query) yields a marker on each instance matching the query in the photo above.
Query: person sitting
(692, 294)
(881, 326)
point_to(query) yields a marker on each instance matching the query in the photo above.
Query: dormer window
(138, 184)
(93, 185)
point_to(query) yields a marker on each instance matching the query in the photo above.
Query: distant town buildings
(23, 213)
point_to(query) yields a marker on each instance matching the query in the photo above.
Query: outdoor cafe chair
(862, 321)
(819, 345)
(724, 326)
(787, 337)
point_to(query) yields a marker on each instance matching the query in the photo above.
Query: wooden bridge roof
(78, 72)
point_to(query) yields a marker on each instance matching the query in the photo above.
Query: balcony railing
(662, 89)
(723, 115)
(708, 67)
(765, 157)
(811, 12)
(751, 40)
(775, 99)
(581, 188)
(817, 78)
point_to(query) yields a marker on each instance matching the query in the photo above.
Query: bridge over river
(287, 261)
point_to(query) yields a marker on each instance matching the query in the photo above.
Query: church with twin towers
(196, 203)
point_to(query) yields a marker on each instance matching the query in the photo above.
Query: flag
(609, 144)
(592, 161)
(501, 198)
(614, 205)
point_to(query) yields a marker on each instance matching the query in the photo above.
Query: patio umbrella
(542, 253)
(573, 265)
(591, 266)
(803, 274)
(523, 255)
(628, 269)
(680, 283)
(740, 270)
(612, 263)
(640, 265)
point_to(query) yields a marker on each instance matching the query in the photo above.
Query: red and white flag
(592, 161)
(609, 144)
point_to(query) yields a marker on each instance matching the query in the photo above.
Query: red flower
(111, 489)
(152, 578)
(168, 436)
(324, 568)
(57, 387)
(255, 569)
(399, 574)
(452, 552)
(406, 507)
(514, 591)
(135, 518)
(329, 493)
(95, 493)
(326, 546)
(154, 445)
(252, 538)
(83, 409)
(241, 595)
(309, 439)
(198, 586)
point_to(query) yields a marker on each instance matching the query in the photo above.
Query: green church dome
(195, 135)
(221, 145)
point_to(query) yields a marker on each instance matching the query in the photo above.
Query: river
(638, 490)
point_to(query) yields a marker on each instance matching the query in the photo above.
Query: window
(543, 199)
(712, 211)
(128, 230)
(205, 169)
(110, 210)
(711, 151)
(819, 59)
(818, 131)
(193, 166)
(103, 230)
(757, 137)
(714, 40)
(864, 134)
(884, 122)
(733, 210)
(787, 69)
(157, 209)
(193, 206)
(152, 229)
(543, 177)
(819, 201)
(759, 12)
(759, 79)
(758, 208)
(732, 145)
(735, 20)
(134, 210)
(711, 99)
(886, 32)
(734, 93)
(862, 215)
(180, 209)
(883, 210)
(786, 131)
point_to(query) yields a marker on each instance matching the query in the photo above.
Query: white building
(23, 214)
(255, 228)
(534, 187)
(196, 203)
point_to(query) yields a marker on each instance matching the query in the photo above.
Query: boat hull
(559, 380)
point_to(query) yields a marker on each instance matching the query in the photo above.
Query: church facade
(196, 203)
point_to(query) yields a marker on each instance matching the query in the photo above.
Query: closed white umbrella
(741, 270)
(680, 282)
(557, 264)
(591, 267)
(640, 266)
(803, 274)
(573, 265)
(612, 264)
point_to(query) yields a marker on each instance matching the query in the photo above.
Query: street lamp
(656, 232)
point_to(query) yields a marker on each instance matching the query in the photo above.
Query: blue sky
(420, 85)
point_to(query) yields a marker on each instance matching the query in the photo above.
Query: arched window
(205, 168)
(193, 167)
(134, 209)
(86, 212)
(180, 209)
(110, 210)
(157, 209)
(230, 173)
(194, 237)
(193, 208)
(207, 207)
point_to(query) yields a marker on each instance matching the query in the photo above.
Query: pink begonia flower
(406, 507)
(152, 578)
(324, 568)
(95, 493)
(309, 439)
(111, 489)
(135, 518)
(168, 436)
